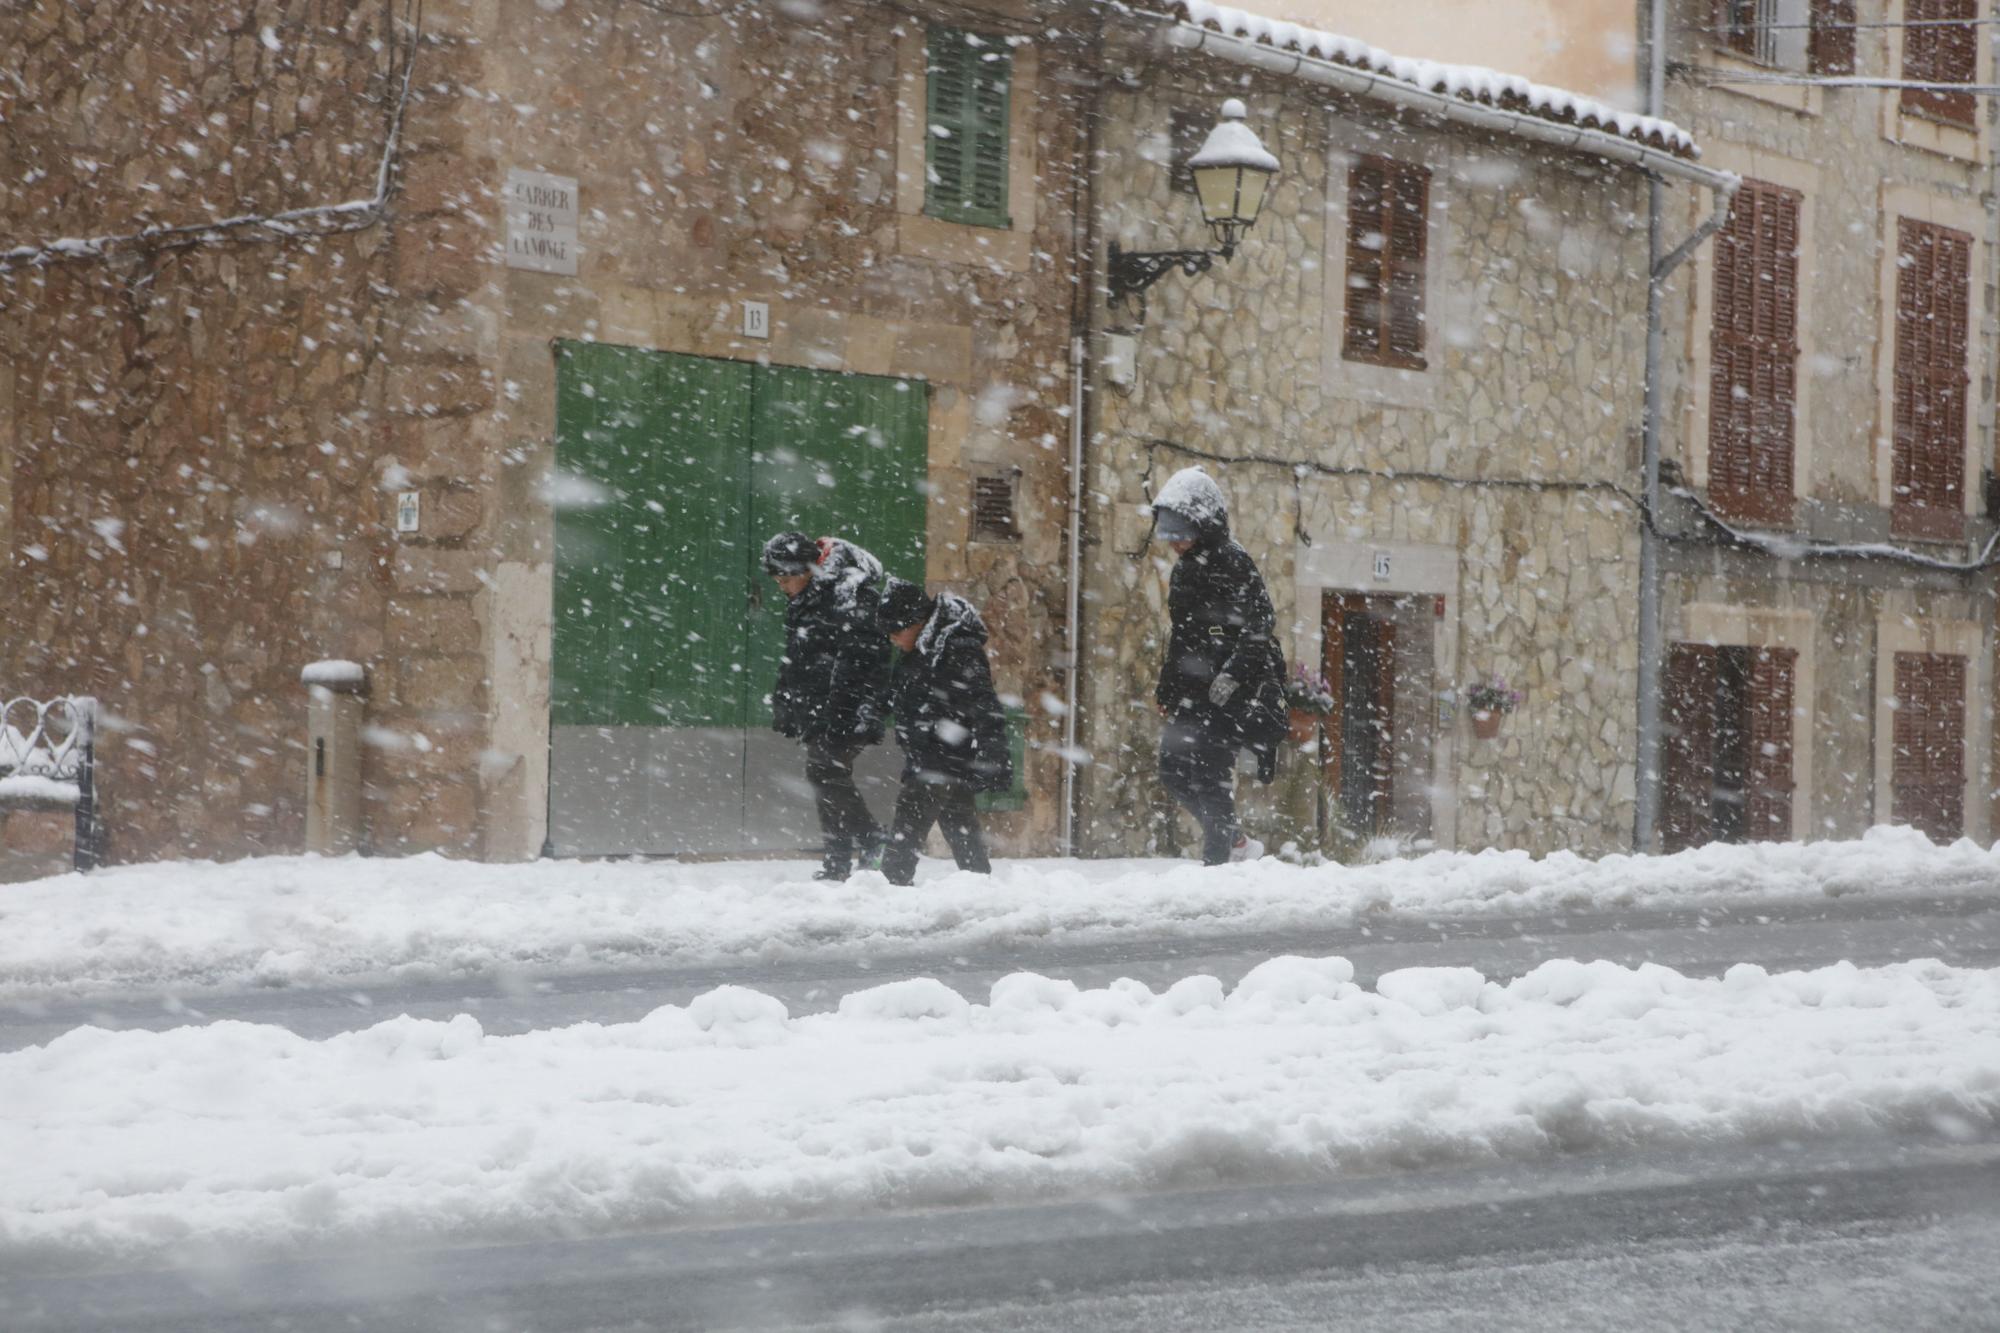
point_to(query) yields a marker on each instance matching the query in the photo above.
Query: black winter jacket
(1222, 621)
(833, 678)
(948, 718)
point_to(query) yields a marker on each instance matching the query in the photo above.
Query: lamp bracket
(1131, 272)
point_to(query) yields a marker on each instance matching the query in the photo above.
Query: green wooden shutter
(968, 79)
(650, 523)
(834, 455)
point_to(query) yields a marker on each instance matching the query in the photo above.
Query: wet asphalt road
(1824, 1236)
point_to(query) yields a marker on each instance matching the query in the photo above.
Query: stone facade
(1498, 484)
(187, 433)
(203, 444)
(1858, 163)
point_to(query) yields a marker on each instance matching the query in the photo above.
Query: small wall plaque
(408, 511)
(541, 214)
(756, 319)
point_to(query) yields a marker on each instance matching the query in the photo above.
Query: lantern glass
(1231, 196)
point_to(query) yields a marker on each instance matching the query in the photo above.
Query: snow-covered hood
(1193, 494)
(845, 569)
(954, 618)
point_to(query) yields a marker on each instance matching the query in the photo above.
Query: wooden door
(1927, 758)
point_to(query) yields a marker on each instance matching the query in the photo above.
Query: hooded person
(948, 721)
(1221, 685)
(832, 683)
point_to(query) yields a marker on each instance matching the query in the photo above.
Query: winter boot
(834, 862)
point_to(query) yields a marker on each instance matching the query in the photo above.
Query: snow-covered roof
(1470, 83)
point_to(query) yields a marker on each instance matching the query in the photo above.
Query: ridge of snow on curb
(307, 920)
(1471, 83)
(911, 1097)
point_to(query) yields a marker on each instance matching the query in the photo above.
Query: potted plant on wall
(1488, 701)
(1310, 700)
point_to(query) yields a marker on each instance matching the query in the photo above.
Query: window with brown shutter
(1830, 47)
(1927, 756)
(1933, 307)
(1737, 27)
(1388, 238)
(1753, 356)
(1728, 745)
(1941, 45)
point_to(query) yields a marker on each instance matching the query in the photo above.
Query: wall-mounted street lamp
(1232, 174)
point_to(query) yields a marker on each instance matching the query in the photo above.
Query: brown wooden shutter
(1930, 384)
(1736, 26)
(1409, 243)
(1367, 246)
(1927, 756)
(1830, 45)
(1689, 814)
(1938, 50)
(1753, 356)
(1768, 817)
(1388, 242)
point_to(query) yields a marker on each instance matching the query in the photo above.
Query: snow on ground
(306, 920)
(226, 1139)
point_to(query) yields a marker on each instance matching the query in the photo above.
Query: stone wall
(1536, 297)
(193, 437)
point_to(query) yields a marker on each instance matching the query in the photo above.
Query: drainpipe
(1660, 267)
(1079, 346)
(1083, 246)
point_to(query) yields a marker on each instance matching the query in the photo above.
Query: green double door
(671, 471)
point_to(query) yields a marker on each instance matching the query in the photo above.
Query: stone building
(464, 368)
(1421, 384)
(483, 357)
(1829, 590)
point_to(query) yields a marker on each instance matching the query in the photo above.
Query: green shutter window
(967, 80)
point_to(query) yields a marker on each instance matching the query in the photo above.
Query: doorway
(670, 473)
(1377, 656)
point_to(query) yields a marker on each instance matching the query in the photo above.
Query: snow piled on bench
(310, 921)
(911, 1097)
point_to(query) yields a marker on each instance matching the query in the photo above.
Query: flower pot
(1485, 724)
(1304, 727)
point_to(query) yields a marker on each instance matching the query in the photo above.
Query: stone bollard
(336, 697)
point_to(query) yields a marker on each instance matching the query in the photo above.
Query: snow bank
(139, 1145)
(307, 920)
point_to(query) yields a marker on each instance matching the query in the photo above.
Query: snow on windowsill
(1471, 83)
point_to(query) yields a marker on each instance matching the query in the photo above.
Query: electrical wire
(1302, 468)
(313, 220)
(1777, 546)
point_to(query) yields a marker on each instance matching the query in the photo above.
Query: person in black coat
(949, 723)
(1222, 682)
(832, 682)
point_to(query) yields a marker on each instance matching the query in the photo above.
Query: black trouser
(844, 818)
(1199, 771)
(925, 800)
